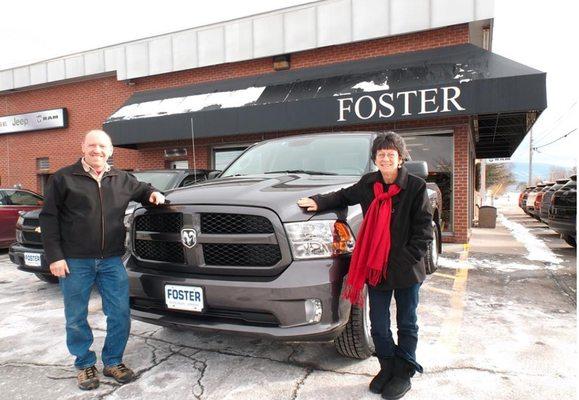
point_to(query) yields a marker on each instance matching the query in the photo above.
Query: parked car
(523, 197)
(536, 213)
(546, 201)
(12, 203)
(237, 254)
(563, 211)
(28, 253)
(532, 195)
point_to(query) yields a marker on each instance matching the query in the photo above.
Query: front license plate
(189, 298)
(32, 259)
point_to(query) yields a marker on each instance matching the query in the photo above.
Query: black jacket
(410, 227)
(79, 220)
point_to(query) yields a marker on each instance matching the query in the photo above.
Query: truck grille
(31, 237)
(226, 240)
(239, 255)
(235, 223)
(31, 222)
(169, 222)
(160, 251)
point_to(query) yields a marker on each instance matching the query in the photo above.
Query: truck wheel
(355, 340)
(47, 278)
(432, 252)
(571, 241)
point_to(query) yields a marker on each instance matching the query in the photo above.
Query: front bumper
(264, 306)
(16, 254)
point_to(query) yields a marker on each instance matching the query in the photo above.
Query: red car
(12, 201)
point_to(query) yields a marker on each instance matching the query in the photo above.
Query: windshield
(332, 155)
(159, 180)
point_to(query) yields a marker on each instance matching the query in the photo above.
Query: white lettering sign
(47, 119)
(411, 102)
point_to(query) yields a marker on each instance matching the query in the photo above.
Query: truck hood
(277, 192)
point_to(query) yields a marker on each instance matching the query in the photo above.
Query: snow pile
(538, 250)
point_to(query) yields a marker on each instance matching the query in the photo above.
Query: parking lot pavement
(494, 325)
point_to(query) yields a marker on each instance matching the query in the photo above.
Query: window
(21, 198)
(437, 150)
(222, 157)
(191, 179)
(42, 163)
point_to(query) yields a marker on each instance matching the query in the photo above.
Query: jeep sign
(35, 121)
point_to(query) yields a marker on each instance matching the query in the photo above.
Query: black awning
(449, 81)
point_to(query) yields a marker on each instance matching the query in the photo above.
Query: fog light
(313, 310)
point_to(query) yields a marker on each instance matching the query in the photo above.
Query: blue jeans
(110, 277)
(406, 319)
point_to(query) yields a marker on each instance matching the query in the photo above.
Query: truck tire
(432, 252)
(355, 340)
(47, 278)
(571, 241)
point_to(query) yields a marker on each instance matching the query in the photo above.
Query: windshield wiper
(300, 171)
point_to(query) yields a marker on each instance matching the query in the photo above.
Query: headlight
(319, 239)
(19, 237)
(128, 219)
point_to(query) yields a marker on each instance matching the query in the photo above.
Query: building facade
(199, 97)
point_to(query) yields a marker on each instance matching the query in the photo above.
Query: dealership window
(437, 150)
(224, 155)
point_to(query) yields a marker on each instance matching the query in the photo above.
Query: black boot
(385, 374)
(400, 382)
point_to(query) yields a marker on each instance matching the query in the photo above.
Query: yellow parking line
(437, 290)
(444, 275)
(451, 327)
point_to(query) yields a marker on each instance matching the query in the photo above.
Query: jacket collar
(401, 179)
(79, 169)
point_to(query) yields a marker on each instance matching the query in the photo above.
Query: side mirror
(418, 168)
(213, 174)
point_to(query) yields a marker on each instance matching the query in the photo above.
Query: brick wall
(90, 102)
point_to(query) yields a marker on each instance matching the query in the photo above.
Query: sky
(532, 32)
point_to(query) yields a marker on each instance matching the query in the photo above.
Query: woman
(389, 256)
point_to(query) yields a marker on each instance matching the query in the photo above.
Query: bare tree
(498, 177)
(557, 173)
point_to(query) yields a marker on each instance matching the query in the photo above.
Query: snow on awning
(449, 81)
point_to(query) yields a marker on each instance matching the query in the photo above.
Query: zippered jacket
(82, 220)
(410, 226)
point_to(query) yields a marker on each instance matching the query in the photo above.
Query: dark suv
(563, 211)
(546, 200)
(28, 253)
(237, 254)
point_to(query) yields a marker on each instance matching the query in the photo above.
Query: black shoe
(384, 376)
(399, 385)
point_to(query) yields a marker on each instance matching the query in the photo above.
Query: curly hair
(389, 141)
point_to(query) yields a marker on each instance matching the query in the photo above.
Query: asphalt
(493, 325)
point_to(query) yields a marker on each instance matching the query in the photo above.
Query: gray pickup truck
(237, 254)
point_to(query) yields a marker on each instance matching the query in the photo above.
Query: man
(83, 236)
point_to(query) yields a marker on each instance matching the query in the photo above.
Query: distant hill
(521, 170)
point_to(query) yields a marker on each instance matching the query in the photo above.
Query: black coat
(410, 226)
(81, 220)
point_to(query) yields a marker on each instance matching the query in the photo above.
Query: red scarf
(370, 258)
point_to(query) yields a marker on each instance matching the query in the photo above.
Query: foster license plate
(189, 298)
(32, 259)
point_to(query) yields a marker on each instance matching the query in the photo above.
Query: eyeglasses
(391, 155)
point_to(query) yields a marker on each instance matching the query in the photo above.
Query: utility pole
(530, 156)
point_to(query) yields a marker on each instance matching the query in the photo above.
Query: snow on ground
(538, 250)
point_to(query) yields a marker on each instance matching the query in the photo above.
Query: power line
(556, 140)
(556, 123)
